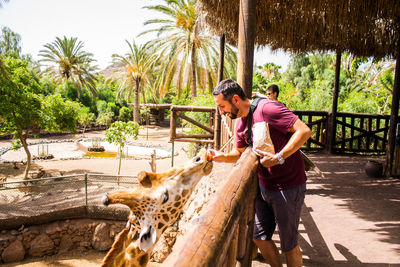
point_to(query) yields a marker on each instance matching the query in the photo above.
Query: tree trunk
(179, 82)
(137, 107)
(144, 96)
(120, 159)
(193, 70)
(22, 138)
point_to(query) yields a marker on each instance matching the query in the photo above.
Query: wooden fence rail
(222, 235)
(361, 133)
(354, 132)
(176, 111)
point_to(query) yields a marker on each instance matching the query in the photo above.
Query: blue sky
(103, 26)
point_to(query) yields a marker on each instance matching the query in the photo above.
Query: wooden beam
(217, 132)
(198, 124)
(172, 127)
(217, 122)
(203, 243)
(194, 135)
(247, 25)
(332, 118)
(394, 117)
(193, 140)
(221, 58)
(155, 106)
(193, 108)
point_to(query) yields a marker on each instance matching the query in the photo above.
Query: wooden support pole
(332, 118)
(217, 122)
(217, 130)
(153, 161)
(394, 117)
(221, 58)
(172, 131)
(247, 25)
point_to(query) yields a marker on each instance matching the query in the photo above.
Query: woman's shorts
(282, 208)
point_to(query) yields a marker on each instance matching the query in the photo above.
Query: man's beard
(234, 112)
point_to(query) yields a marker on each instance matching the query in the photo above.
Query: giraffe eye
(198, 159)
(166, 197)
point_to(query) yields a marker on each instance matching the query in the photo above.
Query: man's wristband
(280, 159)
(227, 158)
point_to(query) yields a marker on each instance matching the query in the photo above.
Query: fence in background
(23, 202)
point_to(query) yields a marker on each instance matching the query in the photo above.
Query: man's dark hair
(274, 88)
(228, 88)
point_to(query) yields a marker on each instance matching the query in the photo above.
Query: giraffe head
(159, 198)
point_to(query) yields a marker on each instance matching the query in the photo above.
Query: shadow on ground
(372, 200)
(349, 195)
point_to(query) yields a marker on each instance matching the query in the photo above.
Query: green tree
(118, 133)
(135, 70)
(23, 109)
(85, 118)
(66, 60)
(186, 48)
(125, 114)
(10, 43)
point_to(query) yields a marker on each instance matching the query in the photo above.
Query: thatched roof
(361, 27)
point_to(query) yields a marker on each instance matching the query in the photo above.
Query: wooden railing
(222, 235)
(354, 132)
(207, 138)
(361, 133)
(317, 121)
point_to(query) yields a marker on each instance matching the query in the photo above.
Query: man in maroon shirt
(281, 176)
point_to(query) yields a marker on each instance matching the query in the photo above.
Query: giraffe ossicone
(155, 204)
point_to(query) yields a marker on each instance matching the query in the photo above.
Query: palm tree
(185, 48)
(67, 61)
(270, 70)
(134, 70)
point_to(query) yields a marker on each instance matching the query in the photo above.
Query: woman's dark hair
(228, 88)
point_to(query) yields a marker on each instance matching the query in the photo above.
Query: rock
(41, 245)
(164, 245)
(14, 252)
(101, 237)
(65, 244)
(52, 228)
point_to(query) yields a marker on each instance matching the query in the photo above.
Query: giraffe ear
(145, 178)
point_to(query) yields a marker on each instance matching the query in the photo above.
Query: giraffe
(155, 204)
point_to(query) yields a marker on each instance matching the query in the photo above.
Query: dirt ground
(348, 218)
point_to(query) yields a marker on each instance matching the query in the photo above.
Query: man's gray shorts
(282, 208)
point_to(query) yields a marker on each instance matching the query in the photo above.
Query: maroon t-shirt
(280, 119)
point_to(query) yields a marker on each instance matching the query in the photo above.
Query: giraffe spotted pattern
(155, 204)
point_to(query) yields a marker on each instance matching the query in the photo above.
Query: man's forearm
(296, 141)
(301, 133)
(232, 156)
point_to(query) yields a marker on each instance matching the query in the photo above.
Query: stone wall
(57, 238)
